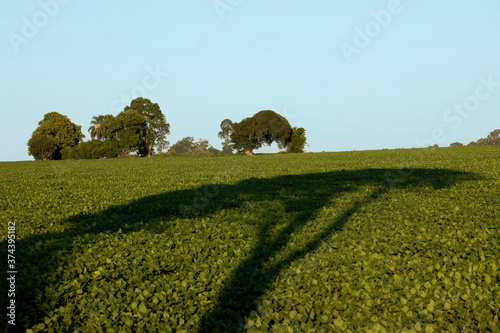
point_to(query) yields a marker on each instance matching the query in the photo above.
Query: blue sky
(356, 75)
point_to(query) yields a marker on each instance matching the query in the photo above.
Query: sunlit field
(371, 241)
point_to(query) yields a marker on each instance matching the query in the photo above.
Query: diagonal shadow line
(231, 311)
(146, 211)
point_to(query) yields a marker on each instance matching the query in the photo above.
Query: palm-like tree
(95, 128)
(100, 127)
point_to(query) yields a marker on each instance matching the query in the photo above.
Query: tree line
(141, 130)
(491, 140)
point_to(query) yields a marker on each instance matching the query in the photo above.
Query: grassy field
(373, 241)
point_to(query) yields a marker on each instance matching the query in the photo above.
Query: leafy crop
(374, 241)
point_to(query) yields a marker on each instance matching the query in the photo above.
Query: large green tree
(263, 128)
(269, 127)
(54, 132)
(154, 129)
(129, 126)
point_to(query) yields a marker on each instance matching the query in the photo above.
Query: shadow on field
(303, 196)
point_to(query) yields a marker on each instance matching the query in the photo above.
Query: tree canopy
(187, 146)
(54, 132)
(297, 140)
(263, 128)
(101, 127)
(140, 127)
(492, 139)
(154, 129)
(129, 126)
(456, 144)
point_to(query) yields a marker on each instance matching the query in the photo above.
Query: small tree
(494, 137)
(42, 147)
(227, 147)
(456, 144)
(183, 146)
(298, 140)
(227, 128)
(54, 132)
(187, 146)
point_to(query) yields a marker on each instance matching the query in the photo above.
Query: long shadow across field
(303, 196)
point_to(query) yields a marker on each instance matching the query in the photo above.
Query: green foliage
(265, 127)
(227, 127)
(43, 147)
(271, 127)
(183, 146)
(491, 140)
(102, 127)
(494, 137)
(155, 127)
(81, 151)
(129, 126)
(187, 146)
(456, 144)
(298, 140)
(107, 149)
(95, 149)
(54, 132)
(244, 137)
(372, 241)
(227, 147)
(139, 127)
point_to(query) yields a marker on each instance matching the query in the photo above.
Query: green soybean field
(372, 241)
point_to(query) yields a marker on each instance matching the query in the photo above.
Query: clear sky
(356, 75)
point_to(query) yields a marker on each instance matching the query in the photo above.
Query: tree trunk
(148, 151)
(148, 147)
